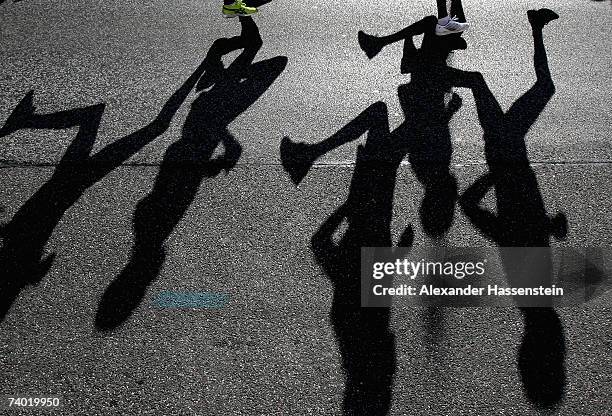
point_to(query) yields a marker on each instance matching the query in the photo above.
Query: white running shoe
(453, 26)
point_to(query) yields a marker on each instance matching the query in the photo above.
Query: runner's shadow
(366, 342)
(24, 237)
(225, 94)
(521, 219)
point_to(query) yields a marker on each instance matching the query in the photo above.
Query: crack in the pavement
(12, 165)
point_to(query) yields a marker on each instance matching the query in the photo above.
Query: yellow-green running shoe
(238, 8)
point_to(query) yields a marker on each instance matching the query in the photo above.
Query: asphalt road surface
(98, 185)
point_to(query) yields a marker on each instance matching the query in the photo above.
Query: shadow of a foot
(296, 158)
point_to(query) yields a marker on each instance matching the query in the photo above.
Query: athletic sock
(228, 2)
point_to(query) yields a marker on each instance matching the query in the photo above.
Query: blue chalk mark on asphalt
(188, 300)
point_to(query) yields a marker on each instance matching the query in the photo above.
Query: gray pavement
(272, 350)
